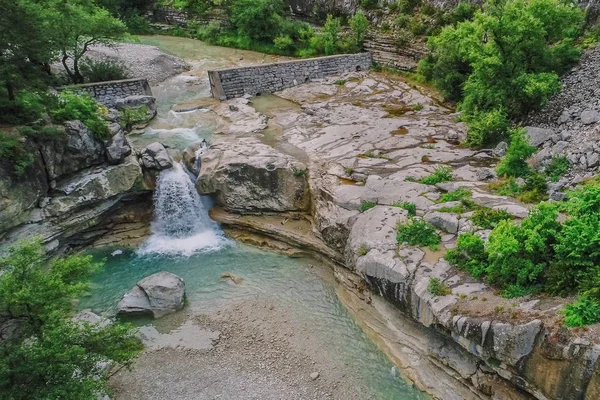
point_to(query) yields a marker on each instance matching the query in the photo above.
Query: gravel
(140, 60)
(262, 352)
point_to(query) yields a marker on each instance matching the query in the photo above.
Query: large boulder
(118, 149)
(156, 295)
(155, 156)
(247, 176)
(537, 136)
(81, 150)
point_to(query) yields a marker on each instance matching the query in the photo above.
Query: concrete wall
(269, 78)
(108, 92)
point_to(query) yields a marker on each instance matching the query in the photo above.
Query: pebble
(314, 376)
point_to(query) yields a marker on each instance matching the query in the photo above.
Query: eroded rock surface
(366, 144)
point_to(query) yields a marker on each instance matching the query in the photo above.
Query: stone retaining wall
(269, 78)
(110, 91)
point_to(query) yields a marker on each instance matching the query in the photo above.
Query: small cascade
(181, 223)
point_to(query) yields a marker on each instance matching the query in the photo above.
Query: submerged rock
(157, 295)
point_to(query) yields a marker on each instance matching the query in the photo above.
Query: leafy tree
(359, 25)
(51, 356)
(25, 47)
(260, 20)
(505, 61)
(77, 25)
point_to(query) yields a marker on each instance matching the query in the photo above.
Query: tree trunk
(77, 75)
(67, 69)
(10, 89)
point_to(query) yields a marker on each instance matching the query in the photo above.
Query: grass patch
(438, 288)
(298, 171)
(557, 168)
(442, 174)
(458, 195)
(417, 232)
(408, 206)
(349, 171)
(366, 205)
(362, 250)
(583, 311)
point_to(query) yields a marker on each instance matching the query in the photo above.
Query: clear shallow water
(294, 283)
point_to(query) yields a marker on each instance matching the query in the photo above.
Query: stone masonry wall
(269, 78)
(108, 92)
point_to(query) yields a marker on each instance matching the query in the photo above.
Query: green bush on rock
(71, 106)
(417, 232)
(542, 253)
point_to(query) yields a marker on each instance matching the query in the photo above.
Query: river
(292, 301)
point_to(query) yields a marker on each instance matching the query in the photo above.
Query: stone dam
(269, 78)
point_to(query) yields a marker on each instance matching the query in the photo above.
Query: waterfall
(181, 223)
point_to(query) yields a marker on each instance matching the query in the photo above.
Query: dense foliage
(504, 62)
(541, 253)
(50, 356)
(71, 106)
(268, 26)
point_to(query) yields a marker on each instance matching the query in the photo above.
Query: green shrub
(27, 107)
(283, 42)
(408, 206)
(488, 218)
(129, 117)
(417, 232)
(259, 20)
(513, 71)
(458, 195)
(512, 291)
(12, 148)
(469, 255)
(442, 174)
(103, 70)
(366, 205)
(486, 127)
(514, 162)
(362, 250)
(46, 132)
(438, 288)
(583, 311)
(72, 106)
(557, 168)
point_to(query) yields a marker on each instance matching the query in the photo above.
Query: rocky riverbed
(367, 138)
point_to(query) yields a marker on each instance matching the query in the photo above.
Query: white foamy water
(181, 223)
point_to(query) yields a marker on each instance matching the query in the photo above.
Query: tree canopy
(504, 62)
(48, 355)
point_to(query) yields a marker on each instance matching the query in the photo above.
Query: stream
(186, 242)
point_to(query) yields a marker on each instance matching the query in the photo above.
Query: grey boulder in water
(157, 295)
(155, 156)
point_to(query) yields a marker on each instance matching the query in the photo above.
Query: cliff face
(73, 185)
